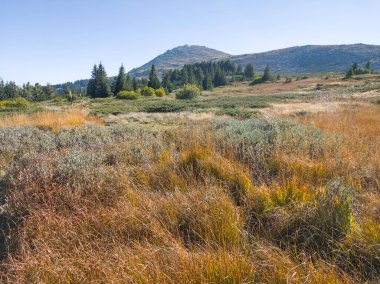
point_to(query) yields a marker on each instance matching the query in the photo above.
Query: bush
(189, 91)
(127, 95)
(164, 107)
(288, 80)
(256, 81)
(147, 92)
(17, 103)
(160, 92)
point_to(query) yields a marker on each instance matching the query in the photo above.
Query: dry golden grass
(359, 125)
(164, 208)
(52, 120)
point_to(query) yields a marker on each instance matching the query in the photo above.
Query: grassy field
(274, 183)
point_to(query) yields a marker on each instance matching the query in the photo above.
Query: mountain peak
(178, 57)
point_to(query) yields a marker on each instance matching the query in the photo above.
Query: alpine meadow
(199, 166)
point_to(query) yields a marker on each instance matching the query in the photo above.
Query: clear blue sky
(60, 40)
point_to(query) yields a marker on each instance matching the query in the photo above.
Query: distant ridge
(298, 59)
(292, 60)
(178, 57)
(313, 58)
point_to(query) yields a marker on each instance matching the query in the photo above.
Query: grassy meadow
(273, 183)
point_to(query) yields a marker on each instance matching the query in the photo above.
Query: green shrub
(17, 103)
(127, 95)
(58, 99)
(164, 107)
(189, 91)
(256, 81)
(288, 80)
(160, 92)
(147, 92)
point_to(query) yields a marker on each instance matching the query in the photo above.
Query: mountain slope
(313, 58)
(178, 57)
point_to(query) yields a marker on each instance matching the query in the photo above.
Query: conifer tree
(91, 87)
(128, 83)
(103, 88)
(207, 82)
(135, 84)
(267, 76)
(120, 81)
(166, 84)
(154, 82)
(368, 66)
(350, 73)
(249, 72)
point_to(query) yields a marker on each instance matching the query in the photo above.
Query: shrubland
(273, 200)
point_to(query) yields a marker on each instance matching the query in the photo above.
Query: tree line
(355, 69)
(205, 75)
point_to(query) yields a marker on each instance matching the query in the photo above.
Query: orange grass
(52, 120)
(195, 214)
(359, 125)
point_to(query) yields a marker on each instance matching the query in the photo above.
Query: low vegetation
(255, 200)
(188, 92)
(50, 120)
(276, 182)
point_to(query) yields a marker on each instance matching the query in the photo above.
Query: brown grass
(359, 125)
(51, 120)
(164, 208)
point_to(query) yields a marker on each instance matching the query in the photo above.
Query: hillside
(179, 56)
(298, 59)
(312, 58)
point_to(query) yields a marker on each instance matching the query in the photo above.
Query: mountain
(298, 59)
(178, 57)
(313, 58)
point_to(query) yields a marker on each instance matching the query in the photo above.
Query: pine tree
(103, 88)
(128, 83)
(368, 66)
(166, 84)
(135, 84)
(249, 72)
(207, 82)
(184, 76)
(91, 87)
(267, 76)
(154, 82)
(120, 81)
(350, 73)
(220, 78)
(239, 70)
(2, 97)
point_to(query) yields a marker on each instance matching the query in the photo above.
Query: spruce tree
(249, 72)
(103, 88)
(220, 78)
(368, 66)
(154, 82)
(135, 84)
(91, 87)
(267, 76)
(2, 90)
(166, 84)
(350, 73)
(120, 81)
(207, 82)
(128, 83)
